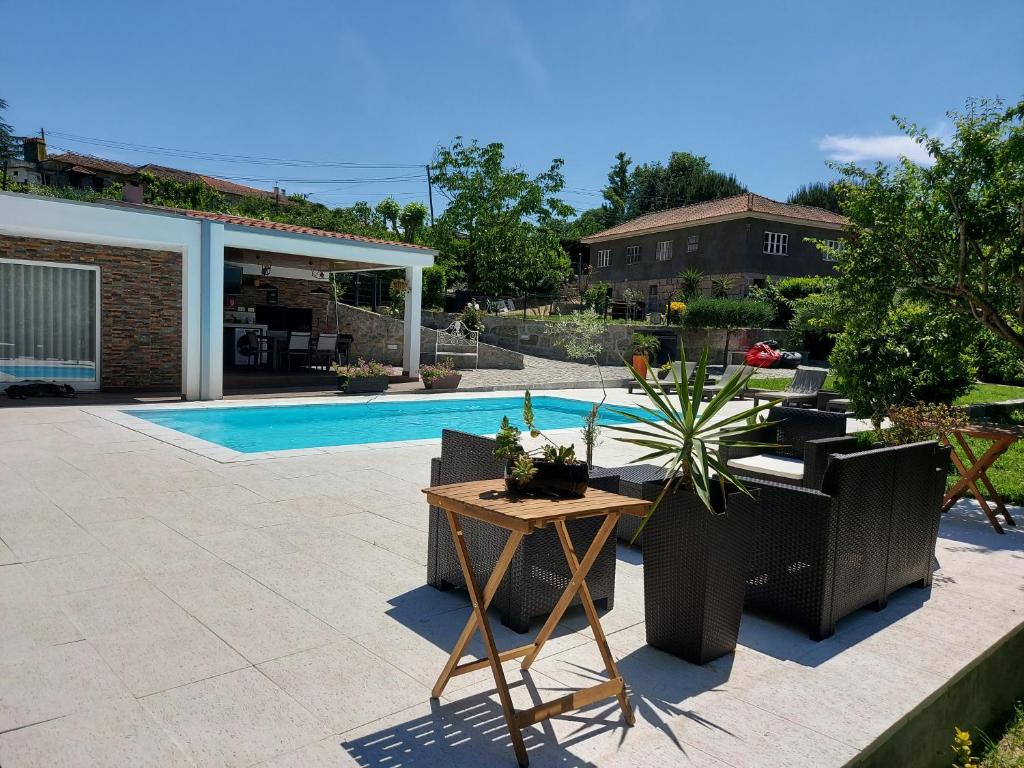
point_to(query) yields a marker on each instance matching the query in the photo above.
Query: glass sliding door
(49, 323)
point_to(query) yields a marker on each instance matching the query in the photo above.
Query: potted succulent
(698, 536)
(362, 378)
(645, 346)
(440, 375)
(552, 468)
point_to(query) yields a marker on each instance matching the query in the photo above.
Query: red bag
(762, 356)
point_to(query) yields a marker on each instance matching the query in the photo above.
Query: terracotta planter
(363, 385)
(451, 381)
(640, 365)
(695, 571)
(552, 477)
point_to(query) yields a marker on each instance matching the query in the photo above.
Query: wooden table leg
(490, 589)
(595, 623)
(571, 589)
(998, 449)
(966, 482)
(488, 637)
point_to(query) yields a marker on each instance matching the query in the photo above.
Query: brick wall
(293, 292)
(140, 308)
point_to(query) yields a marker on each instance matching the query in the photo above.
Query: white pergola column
(211, 368)
(413, 296)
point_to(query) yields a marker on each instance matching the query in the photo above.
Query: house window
(632, 254)
(776, 243)
(604, 258)
(652, 292)
(833, 248)
(692, 243)
(664, 252)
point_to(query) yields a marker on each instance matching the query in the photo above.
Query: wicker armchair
(538, 573)
(869, 531)
(806, 437)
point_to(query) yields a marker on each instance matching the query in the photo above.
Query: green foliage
(769, 294)
(1008, 752)
(617, 192)
(820, 194)
(591, 432)
(434, 287)
(645, 344)
(684, 180)
(412, 218)
(720, 286)
(389, 210)
(794, 288)
(438, 370)
(507, 440)
(472, 318)
(818, 313)
(509, 445)
(686, 436)
(8, 143)
(500, 230)
(559, 454)
(597, 296)
(727, 313)
(906, 355)
(691, 281)
(579, 335)
(962, 746)
(951, 233)
(112, 192)
(193, 195)
(361, 370)
(998, 362)
(922, 421)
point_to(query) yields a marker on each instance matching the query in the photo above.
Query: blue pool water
(251, 429)
(49, 371)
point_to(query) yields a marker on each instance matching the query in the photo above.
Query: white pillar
(212, 312)
(191, 315)
(413, 295)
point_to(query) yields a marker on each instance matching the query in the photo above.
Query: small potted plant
(362, 378)
(698, 536)
(552, 468)
(645, 346)
(440, 375)
(664, 371)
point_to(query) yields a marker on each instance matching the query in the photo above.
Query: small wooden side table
(973, 468)
(488, 500)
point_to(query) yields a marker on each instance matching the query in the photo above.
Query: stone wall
(532, 337)
(292, 292)
(140, 308)
(379, 337)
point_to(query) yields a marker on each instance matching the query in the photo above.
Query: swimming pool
(69, 372)
(253, 429)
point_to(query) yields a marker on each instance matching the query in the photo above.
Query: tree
(685, 180)
(412, 218)
(617, 191)
(950, 234)
(500, 231)
(8, 143)
(389, 210)
(820, 194)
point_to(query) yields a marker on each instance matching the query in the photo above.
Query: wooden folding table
(973, 468)
(487, 500)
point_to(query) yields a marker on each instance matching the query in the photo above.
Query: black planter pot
(361, 385)
(695, 571)
(551, 477)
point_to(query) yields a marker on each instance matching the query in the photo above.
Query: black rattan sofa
(868, 531)
(538, 573)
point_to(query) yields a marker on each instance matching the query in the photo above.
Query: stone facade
(378, 337)
(140, 308)
(293, 292)
(533, 337)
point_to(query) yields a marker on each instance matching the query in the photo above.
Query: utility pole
(430, 194)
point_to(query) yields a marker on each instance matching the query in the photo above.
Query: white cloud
(852, 149)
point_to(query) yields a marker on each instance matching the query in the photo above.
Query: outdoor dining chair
(325, 350)
(298, 346)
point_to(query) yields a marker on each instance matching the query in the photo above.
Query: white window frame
(692, 243)
(776, 243)
(632, 254)
(834, 245)
(604, 258)
(664, 251)
(80, 385)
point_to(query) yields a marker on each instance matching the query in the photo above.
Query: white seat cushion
(766, 464)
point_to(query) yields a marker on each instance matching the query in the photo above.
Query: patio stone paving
(160, 608)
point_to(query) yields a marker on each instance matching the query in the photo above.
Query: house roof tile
(747, 203)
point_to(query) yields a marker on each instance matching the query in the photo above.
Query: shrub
(473, 318)
(596, 297)
(998, 361)
(438, 370)
(361, 370)
(727, 313)
(434, 287)
(924, 421)
(793, 288)
(910, 355)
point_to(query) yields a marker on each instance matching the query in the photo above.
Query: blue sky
(768, 91)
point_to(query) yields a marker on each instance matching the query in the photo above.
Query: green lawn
(991, 393)
(761, 382)
(1009, 751)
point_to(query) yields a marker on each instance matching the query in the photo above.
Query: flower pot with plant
(550, 469)
(362, 378)
(698, 536)
(440, 375)
(645, 347)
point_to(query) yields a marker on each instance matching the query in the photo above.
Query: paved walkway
(159, 608)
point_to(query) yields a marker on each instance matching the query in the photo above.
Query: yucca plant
(685, 437)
